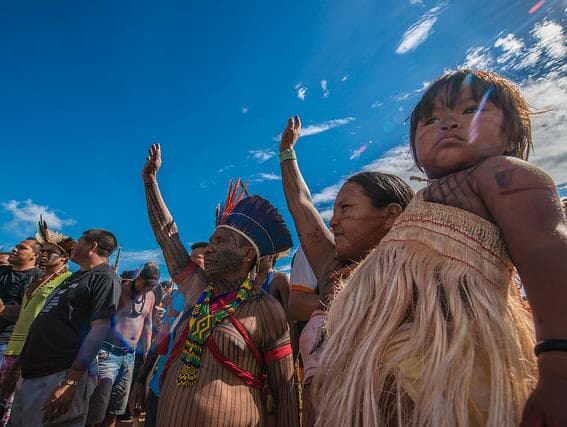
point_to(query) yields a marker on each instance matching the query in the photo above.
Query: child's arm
(524, 203)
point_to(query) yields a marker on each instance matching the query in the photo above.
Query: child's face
(453, 140)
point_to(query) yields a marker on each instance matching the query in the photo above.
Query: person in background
(53, 262)
(198, 253)
(14, 279)
(58, 360)
(131, 324)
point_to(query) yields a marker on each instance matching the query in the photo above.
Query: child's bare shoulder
(504, 176)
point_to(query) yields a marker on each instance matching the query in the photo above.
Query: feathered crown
(44, 235)
(234, 194)
(257, 220)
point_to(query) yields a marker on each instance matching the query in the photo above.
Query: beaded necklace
(34, 289)
(200, 325)
(133, 301)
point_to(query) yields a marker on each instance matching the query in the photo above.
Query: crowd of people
(439, 308)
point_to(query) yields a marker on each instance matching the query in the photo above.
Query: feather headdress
(44, 235)
(256, 219)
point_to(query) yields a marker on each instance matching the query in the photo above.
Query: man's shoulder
(269, 305)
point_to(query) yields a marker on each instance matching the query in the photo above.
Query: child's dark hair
(516, 124)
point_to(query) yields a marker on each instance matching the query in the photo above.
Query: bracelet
(288, 154)
(550, 345)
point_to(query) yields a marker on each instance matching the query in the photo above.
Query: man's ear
(93, 246)
(393, 210)
(249, 253)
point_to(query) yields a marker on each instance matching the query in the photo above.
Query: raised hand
(291, 133)
(153, 162)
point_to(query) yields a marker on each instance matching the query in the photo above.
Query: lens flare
(473, 132)
(536, 6)
(356, 153)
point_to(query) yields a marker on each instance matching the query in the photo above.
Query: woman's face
(358, 226)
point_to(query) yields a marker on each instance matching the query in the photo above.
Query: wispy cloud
(407, 95)
(320, 127)
(141, 257)
(301, 91)
(262, 177)
(549, 128)
(244, 110)
(326, 214)
(376, 104)
(478, 58)
(511, 46)
(327, 194)
(345, 78)
(420, 31)
(262, 155)
(25, 215)
(325, 88)
(224, 169)
(325, 126)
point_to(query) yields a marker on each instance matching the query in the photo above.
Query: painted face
(22, 253)
(50, 256)
(198, 257)
(456, 139)
(223, 254)
(357, 224)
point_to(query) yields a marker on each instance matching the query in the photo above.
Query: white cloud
(420, 31)
(549, 128)
(262, 155)
(398, 161)
(325, 126)
(325, 88)
(25, 215)
(414, 2)
(511, 46)
(376, 104)
(320, 127)
(406, 95)
(224, 169)
(244, 110)
(261, 177)
(327, 194)
(301, 91)
(141, 257)
(478, 58)
(345, 78)
(326, 214)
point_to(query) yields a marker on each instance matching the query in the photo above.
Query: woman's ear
(393, 210)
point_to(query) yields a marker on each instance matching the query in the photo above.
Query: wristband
(287, 154)
(550, 345)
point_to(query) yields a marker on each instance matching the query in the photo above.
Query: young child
(431, 329)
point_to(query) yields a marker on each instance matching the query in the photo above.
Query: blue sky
(86, 87)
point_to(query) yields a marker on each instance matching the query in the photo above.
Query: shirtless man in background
(131, 323)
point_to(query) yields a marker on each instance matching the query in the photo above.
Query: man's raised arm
(165, 230)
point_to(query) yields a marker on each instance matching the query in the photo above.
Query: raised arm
(165, 230)
(525, 205)
(315, 238)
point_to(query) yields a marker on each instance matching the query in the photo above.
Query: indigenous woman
(365, 209)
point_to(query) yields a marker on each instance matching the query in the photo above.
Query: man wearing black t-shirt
(14, 279)
(58, 360)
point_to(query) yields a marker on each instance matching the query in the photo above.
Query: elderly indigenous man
(14, 279)
(53, 262)
(231, 364)
(58, 359)
(132, 323)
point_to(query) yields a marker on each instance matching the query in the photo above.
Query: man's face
(198, 257)
(82, 250)
(23, 253)
(224, 254)
(50, 256)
